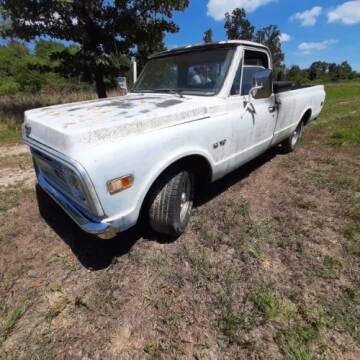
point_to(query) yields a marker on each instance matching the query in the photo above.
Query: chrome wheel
(291, 143)
(186, 200)
(172, 202)
(296, 135)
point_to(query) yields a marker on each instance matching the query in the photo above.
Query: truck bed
(282, 86)
(295, 102)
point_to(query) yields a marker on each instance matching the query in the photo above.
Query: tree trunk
(100, 84)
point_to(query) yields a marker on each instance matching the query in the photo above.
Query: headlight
(74, 184)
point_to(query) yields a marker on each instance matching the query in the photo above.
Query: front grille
(54, 173)
(52, 170)
(60, 175)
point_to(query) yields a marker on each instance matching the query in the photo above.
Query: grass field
(268, 269)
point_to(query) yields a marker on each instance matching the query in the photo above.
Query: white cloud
(218, 8)
(284, 37)
(309, 47)
(308, 17)
(174, 46)
(74, 21)
(348, 13)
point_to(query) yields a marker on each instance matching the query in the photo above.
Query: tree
(318, 69)
(208, 36)
(44, 59)
(104, 30)
(345, 71)
(13, 58)
(23, 70)
(332, 69)
(45, 48)
(237, 26)
(279, 73)
(296, 75)
(16, 72)
(145, 48)
(321, 71)
(270, 37)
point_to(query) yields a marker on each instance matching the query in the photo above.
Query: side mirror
(253, 91)
(122, 84)
(262, 84)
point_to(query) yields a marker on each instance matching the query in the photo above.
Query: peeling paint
(87, 123)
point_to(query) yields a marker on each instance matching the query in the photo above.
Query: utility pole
(134, 67)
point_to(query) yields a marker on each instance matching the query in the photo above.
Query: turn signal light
(116, 185)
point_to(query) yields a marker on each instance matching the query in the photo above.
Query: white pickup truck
(195, 114)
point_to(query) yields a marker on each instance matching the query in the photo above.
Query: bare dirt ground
(15, 166)
(268, 269)
(14, 150)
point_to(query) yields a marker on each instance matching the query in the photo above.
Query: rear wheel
(291, 143)
(172, 203)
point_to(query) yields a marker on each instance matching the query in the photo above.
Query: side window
(253, 62)
(248, 75)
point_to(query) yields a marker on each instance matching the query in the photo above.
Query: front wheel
(291, 143)
(172, 203)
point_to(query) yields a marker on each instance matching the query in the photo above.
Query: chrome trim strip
(91, 194)
(79, 218)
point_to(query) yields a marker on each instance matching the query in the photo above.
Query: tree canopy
(93, 46)
(237, 26)
(103, 30)
(25, 71)
(270, 37)
(208, 36)
(320, 71)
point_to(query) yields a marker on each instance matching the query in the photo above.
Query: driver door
(253, 124)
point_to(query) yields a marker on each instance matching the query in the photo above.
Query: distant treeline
(319, 71)
(22, 70)
(40, 69)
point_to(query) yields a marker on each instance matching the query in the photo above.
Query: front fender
(169, 160)
(144, 157)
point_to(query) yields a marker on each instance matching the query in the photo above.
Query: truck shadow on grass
(96, 254)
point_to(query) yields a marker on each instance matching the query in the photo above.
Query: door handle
(272, 108)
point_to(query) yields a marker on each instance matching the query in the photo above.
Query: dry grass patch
(268, 268)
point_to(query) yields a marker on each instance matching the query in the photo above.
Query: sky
(326, 30)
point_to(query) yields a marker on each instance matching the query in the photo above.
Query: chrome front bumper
(103, 230)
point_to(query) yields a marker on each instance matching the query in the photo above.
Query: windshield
(194, 73)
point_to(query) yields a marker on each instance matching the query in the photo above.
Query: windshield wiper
(171, 91)
(142, 90)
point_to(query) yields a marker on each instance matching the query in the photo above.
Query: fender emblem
(221, 143)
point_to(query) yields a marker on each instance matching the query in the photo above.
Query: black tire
(172, 202)
(290, 144)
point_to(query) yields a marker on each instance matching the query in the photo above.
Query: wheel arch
(197, 162)
(306, 116)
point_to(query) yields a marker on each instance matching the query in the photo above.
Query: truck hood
(70, 127)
